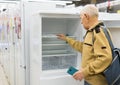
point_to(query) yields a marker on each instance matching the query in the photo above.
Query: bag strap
(105, 32)
(108, 37)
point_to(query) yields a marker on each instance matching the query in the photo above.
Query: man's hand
(61, 36)
(78, 75)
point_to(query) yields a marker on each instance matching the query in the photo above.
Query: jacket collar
(95, 25)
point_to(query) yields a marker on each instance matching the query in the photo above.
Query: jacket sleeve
(102, 55)
(77, 45)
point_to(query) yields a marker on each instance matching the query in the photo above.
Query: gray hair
(90, 9)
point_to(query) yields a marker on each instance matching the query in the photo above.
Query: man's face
(84, 20)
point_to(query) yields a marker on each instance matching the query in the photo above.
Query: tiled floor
(3, 79)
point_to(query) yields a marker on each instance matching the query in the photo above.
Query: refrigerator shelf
(47, 52)
(54, 44)
(54, 36)
(57, 55)
(52, 40)
(49, 36)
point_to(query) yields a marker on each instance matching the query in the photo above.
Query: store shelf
(105, 4)
(109, 17)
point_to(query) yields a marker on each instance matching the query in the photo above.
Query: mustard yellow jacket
(96, 57)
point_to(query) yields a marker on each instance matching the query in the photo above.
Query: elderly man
(95, 49)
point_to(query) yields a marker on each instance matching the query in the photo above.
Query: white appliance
(50, 57)
(11, 45)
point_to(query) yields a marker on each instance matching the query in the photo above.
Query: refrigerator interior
(56, 53)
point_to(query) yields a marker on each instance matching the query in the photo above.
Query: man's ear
(87, 16)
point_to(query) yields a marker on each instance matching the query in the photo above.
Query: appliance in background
(11, 43)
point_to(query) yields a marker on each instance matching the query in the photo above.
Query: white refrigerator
(50, 57)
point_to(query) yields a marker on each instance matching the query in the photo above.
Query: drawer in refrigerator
(63, 61)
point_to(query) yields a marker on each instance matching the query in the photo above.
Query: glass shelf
(49, 36)
(53, 40)
(53, 36)
(54, 44)
(70, 54)
(54, 52)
